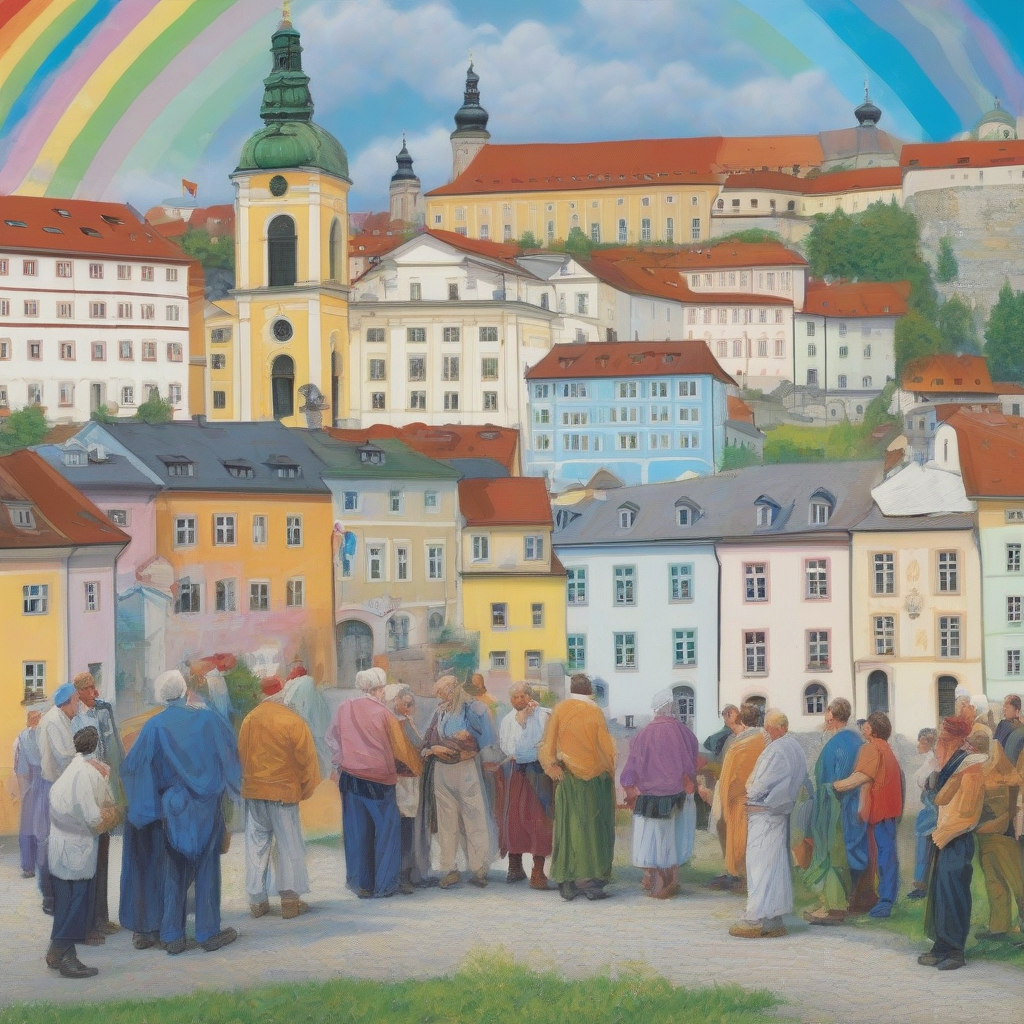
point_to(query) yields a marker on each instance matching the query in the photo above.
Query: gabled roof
(832, 183)
(505, 251)
(113, 472)
(956, 375)
(269, 448)
(849, 300)
(63, 516)
(991, 448)
(628, 359)
(452, 441)
(962, 154)
(341, 459)
(512, 501)
(738, 411)
(89, 229)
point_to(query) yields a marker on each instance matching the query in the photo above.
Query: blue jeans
(884, 835)
(372, 830)
(922, 852)
(180, 872)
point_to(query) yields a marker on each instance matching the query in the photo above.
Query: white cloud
(372, 168)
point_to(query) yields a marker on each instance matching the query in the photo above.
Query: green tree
(956, 324)
(577, 244)
(22, 429)
(102, 415)
(946, 267)
(197, 243)
(155, 410)
(1004, 336)
(750, 235)
(528, 240)
(877, 411)
(736, 456)
(916, 336)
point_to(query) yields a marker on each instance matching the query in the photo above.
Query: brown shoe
(259, 909)
(451, 879)
(830, 917)
(480, 880)
(774, 933)
(107, 927)
(292, 908)
(71, 967)
(747, 931)
(95, 939)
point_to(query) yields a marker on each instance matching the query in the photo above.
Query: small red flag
(191, 187)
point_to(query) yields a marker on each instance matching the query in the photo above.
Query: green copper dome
(290, 138)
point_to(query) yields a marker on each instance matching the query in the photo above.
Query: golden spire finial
(286, 10)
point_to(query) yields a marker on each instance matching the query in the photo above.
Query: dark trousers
(883, 833)
(948, 915)
(28, 846)
(143, 867)
(179, 873)
(72, 911)
(372, 831)
(101, 913)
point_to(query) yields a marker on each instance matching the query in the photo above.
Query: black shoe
(406, 888)
(48, 905)
(568, 891)
(176, 947)
(53, 957)
(222, 938)
(917, 894)
(596, 892)
(71, 967)
(144, 940)
(932, 958)
(28, 874)
(953, 962)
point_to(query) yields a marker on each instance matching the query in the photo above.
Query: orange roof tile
(962, 154)
(63, 515)
(820, 184)
(628, 359)
(769, 152)
(506, 251)
(735, 254)
(506, 501)
(865, 298)
(991, 449)
(38, 224)
(737, 409)
(445, 442)
(1008, 387)
(960, 375)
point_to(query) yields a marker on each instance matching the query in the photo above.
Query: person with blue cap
(56, 752)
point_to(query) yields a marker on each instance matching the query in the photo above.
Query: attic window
(53, 231)
(22, 517)
(939, 380)
(76, 458)
(91, 232)
(627, 516)
(687, 513)
(113, 221)
(963, 160)
(668, 358)
(371, 455)
(61, 212)
(489, 435)
(958, 381)
(239, 468)
(178, 465)
(285, 468)
(15, 223)
(913, 163)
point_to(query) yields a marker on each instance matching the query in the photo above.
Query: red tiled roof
(737, 409)
(962, 154)
(769, 152)
(1008, 387)
(628, 359)
(63, 515)
(46, 230)
(959, 375)
(506, 251)
(991, 448)
(821, 184)
(735, 254)
(445, 442)
(865, 298)
(506, 501)
(373, 245)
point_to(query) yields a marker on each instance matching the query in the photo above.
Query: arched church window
(282, 386)
(282, 246)
(335, 253)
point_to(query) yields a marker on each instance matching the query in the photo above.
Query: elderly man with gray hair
(778, 776)
(370, 748)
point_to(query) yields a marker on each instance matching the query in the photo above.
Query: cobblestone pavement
(847, 976)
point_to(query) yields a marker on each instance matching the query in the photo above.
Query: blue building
(648, 411)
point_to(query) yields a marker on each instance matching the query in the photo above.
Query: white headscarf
(169, 685)
(662, 699)
(371, 679)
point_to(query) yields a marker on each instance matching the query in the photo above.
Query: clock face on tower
(278, 185)
(283, 330)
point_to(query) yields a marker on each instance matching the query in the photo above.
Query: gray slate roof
(265, 447)
(876, 522)
(115, 472)
(742, 427)
(477, 469)
(727, 505)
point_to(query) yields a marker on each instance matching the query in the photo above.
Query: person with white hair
(525, 820)
(772, 789)
(369, 745)
(183, 764)
(659, 778)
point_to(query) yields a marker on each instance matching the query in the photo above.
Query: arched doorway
(686, 704)
(282, 247)
(354, 641)
(878, 692)
(282, 386)
(946, 686)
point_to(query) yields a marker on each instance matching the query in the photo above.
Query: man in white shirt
(56, 752)
(81, 807)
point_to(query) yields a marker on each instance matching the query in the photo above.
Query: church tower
(404, 191)
(291, 206)
(471, 134)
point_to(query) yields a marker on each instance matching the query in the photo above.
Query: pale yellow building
(220, 327)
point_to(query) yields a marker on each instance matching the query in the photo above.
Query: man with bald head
(778, 776)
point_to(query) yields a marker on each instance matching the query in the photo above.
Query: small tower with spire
(406, 204)
(471, 134)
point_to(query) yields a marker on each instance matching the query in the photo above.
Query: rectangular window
(184, 531)
(99, 351)
(173, 313)
(488, 333)
(450, 368)
(124, 349)
(415, 335)
(92, 596)
(147, 273)
(680, 582)
(295, 593)
(577, 651)
(96, 271)
(259, 597)
(124, 311)
(350, 501)
(695, 229)
(490, 401)
(949, 636)
(1013, 609)
(188, 601)
(31, 307)
(452, 334)
(375, 562)
(378, 369)
(374, 334)
(66, 393)
(489, 368)
(34, 679)
(755, 578)
(174, 352)
(65, 310)
(885, 634)
(537, 615)
(625, 650)
(684, 647)
(816, 575)
(417, 368)
(223, 530)
(128, 395)
(451, 401)
(147, 311)
(430, 501)
(35, 350)
(818, 650)
(218, 361)
(402, 563)
(435, 562)
(499, 616)
(259, 529)
(885, 573)
(63, 268)
(1013, 662)
(625, 584)
(293, 531)
(224, 596)
(755, 653)
(481, 548)
(396, 502)
(1013, 558)
(499, 660)
(453, 291)
(577, 585)
(949, 580)
(35, 599)
(583, 303)
(377, 400)
(149, 351)
(533, 548)
(417, 399)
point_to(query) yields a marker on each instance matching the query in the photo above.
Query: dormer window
(822, 504)
(766, 511)
(239, 468)
(371, 455)
(22, 517)
(76, 458)
(178, 465)
(627, 516)
(687, 513)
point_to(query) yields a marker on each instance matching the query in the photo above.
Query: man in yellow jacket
(578, 753)
(279, 769)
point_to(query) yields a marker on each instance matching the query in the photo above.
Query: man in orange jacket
(279, 769)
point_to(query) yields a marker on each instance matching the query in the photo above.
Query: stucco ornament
(913, 571)
(913, 604)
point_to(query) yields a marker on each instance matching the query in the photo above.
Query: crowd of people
(482, 785)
